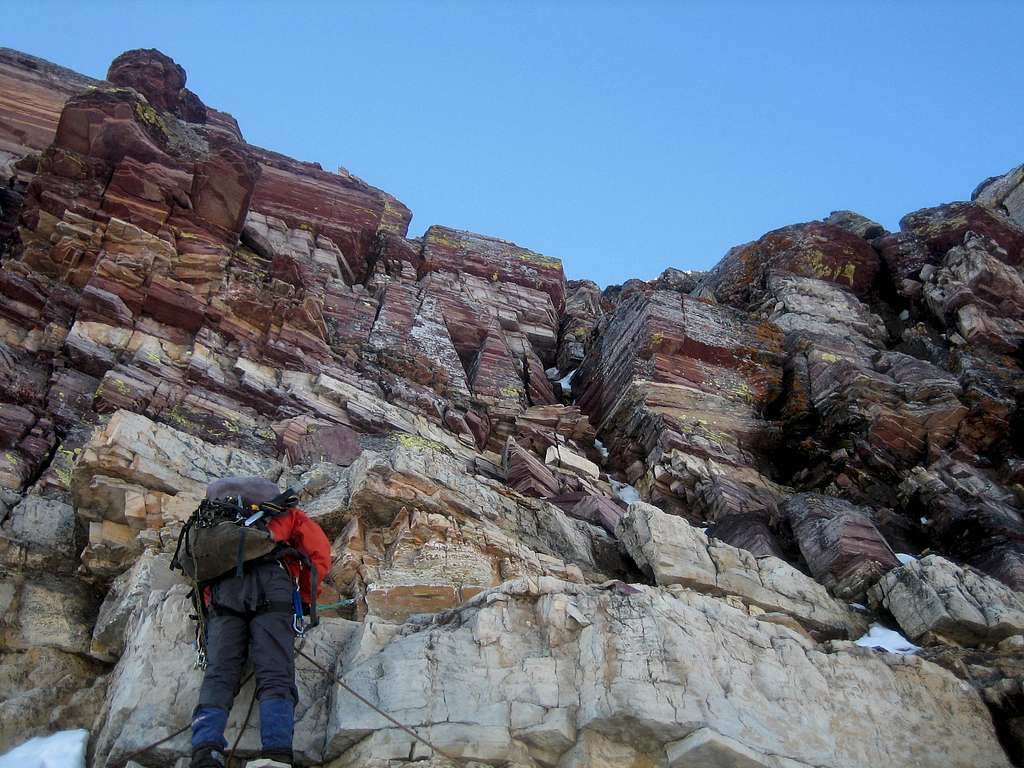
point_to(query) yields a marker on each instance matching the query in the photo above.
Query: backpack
(225, 533)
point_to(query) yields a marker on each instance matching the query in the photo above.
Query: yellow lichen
(417, 442)
(546, 262)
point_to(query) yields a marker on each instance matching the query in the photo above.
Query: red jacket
(297, 530)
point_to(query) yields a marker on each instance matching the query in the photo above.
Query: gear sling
(224, 534)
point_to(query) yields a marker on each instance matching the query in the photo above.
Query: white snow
(886, 640)
(602, 451)
(65, 749)
(552, 373)
(625, 491)
(566, 381)
(858, 606)
(925, 521)
(904, 558)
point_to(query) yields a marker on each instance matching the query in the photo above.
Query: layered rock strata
(571, 526)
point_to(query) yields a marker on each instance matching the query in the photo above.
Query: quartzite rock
(641, 673)
(933, 596)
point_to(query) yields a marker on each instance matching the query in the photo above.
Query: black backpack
(225, 533)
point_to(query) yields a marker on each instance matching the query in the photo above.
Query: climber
(252, 556)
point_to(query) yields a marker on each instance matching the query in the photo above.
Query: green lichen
(148, 115)
(176, 416)
(745, 393)
(511, 391)
(416, 442)
(65, 465)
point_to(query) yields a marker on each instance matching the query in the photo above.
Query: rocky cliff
(632, 527)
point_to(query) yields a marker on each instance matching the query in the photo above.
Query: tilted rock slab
(672, 551)
(1004, 193)
(545, 673)
(840, 542)
(933, 595)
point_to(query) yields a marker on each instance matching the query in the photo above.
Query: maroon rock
(528, 474)
(157, 77)
(499, 261)
(840, 542)
(815, 249)
(751, 532)
(945, 226)
(969, 512)
(340, 206)
(597, 510)
(335, 444)
(582, 312)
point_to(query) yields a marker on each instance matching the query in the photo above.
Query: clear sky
(621, 137)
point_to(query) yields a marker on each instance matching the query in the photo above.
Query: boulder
(936, 598)
(671, 551)
(1005, 194)
(157, 77)
(840, 542)
(816, 249)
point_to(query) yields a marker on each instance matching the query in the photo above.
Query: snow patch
(884, 639)
(601, 450)
(64, 749)
(925, 521)
(625, 491)
(904, 558)
(552, 374)
(566, 381)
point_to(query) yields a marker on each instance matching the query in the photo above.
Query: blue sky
(622, 138)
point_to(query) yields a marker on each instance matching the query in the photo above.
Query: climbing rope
(374, 707)
(245, 724)
(331, 606)
(132, 755)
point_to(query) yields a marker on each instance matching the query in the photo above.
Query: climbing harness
(224, 534)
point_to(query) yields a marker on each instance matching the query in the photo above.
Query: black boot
(207, 757)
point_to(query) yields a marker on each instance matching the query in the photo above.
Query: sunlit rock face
(571, 526)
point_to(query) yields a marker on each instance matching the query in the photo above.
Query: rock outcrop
(571, 526)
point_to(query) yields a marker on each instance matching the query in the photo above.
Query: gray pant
(250, 615)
